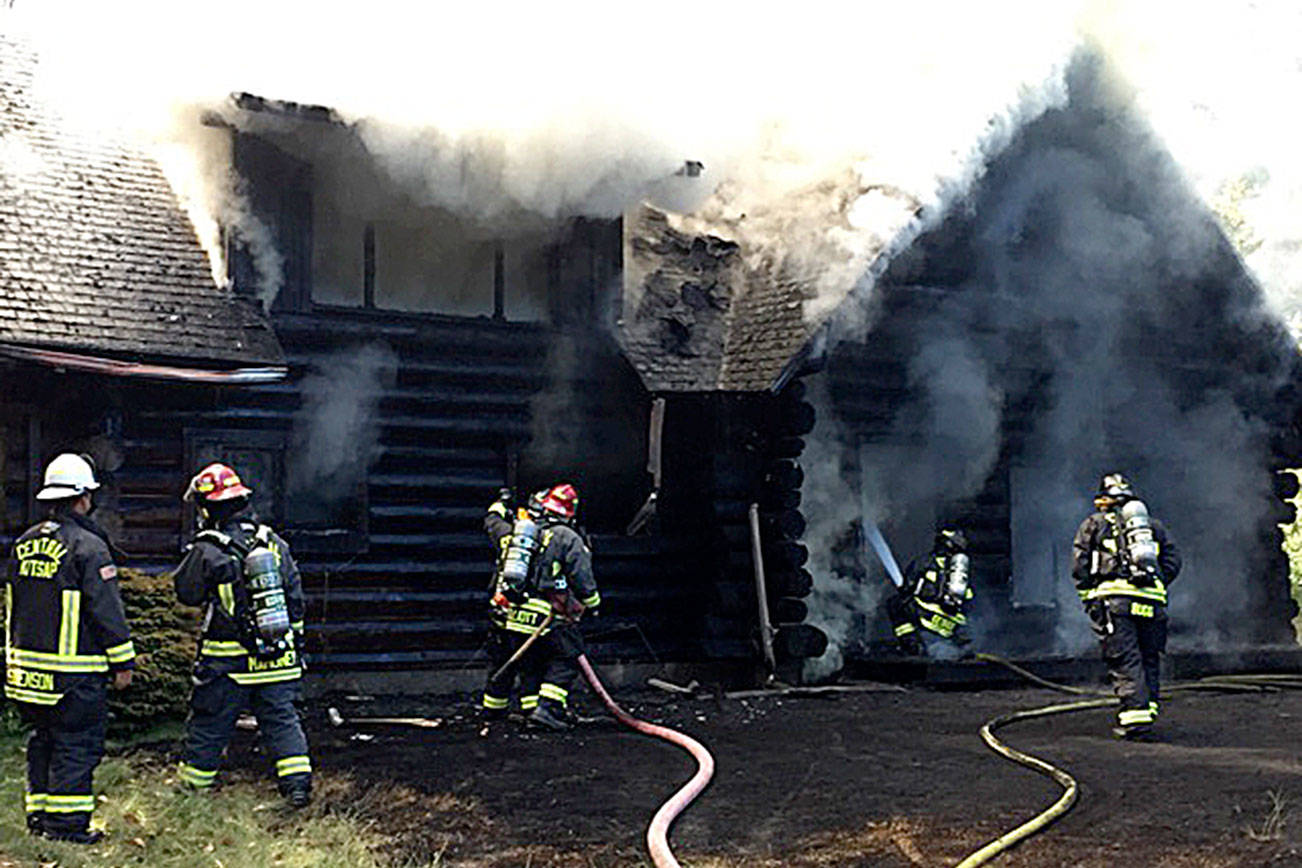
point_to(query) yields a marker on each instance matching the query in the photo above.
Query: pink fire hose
(657, 834)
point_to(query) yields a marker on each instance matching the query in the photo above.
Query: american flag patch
(108, 572)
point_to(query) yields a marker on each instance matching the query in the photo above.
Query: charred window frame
(279, 191)
(20, 469)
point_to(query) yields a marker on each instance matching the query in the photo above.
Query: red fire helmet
(216, 483)
(562, 501)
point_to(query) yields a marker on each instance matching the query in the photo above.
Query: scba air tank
(1137, 529)
(957, 572)
(266, 597)
(519, 552)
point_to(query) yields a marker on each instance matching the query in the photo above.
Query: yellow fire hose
(1238, 683)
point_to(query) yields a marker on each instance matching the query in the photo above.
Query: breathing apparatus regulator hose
(657, 834)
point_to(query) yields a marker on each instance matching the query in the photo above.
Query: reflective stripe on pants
(66, 745)
(216, 705)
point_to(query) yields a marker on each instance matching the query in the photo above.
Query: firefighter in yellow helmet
(67, 637)
(1122, 562)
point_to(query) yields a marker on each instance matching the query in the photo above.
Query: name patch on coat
(108, 572)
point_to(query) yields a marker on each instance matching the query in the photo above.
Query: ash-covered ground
(892, 778)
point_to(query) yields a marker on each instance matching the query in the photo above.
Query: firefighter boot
(547, 717)
(1134, 732)
(79, 836)
(297, 792)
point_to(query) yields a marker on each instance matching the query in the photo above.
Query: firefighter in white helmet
(67, 638)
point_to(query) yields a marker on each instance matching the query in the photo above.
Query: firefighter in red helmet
(243, 575)
(544, 567)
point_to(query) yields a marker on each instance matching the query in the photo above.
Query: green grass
(150, 820)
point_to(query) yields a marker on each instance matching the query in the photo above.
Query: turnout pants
(558, 662)
(66, 745)
(216, 705)
(502, 644)
(1132, 634)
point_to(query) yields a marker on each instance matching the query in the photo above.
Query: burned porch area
(1078, 311)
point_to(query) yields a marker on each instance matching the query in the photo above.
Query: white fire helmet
(68, 475)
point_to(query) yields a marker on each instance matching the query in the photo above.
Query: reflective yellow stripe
(9, 613)
(498, 509)
(514, 627)
(196, 777)
(495, 702)
(226, 593)
(542, 607)
(221, 648)
(905, 629)
(529, 702)
(34, 802)
(48, 662)
(17, 694)
(1135, 716)
(296, 626)
(121, 653)
(955, 617)
(552, 691)
(266, 677)
(70, 623)
(69, 804)
(1123, 588)
(940, 626)
(593, 600)
(293, 765)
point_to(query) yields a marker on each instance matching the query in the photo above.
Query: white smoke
(497, 113)
(843, 592)
(574, 108)
(336, 431)
(577, 108)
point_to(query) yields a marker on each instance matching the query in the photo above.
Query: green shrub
(164, 633)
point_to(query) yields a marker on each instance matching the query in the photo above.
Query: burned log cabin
(384, 365)
(1076, 311)
(376, 369)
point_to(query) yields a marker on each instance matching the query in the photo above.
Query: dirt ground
(869, 779)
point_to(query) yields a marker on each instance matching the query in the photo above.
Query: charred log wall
(405, 587)
(724, 452)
